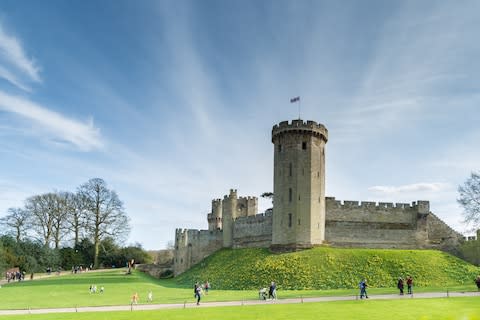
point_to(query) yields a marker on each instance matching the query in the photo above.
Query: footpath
(238, 303)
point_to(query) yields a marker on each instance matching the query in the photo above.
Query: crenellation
(351, 204)
(368, 204)
(385, 205)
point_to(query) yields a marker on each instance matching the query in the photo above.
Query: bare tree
(76, 216)
(41, 209)
(470, 200)
(60, 215)
(17, 222)
(105, 213)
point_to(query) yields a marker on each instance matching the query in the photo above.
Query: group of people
(135, 297)
(93, 289)
(12, 276)
(401, 284)
(272, 292)
(200, 289)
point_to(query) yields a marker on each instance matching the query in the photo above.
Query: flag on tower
(294, 99)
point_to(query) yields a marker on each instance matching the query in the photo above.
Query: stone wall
(368, 224)
(253, 231)
(191, 246)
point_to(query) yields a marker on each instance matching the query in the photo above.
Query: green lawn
(406, 309)
(73, 290)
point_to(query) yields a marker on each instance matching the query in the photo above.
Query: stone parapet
(302, 127)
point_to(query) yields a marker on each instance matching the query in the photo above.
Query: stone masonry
(303, 217)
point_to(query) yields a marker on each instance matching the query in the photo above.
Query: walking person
(409, 285)
(198, 292)
(363, 289)
(400, 285)
(207, 286)
(272, 291)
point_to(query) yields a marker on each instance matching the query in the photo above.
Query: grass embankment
(329, 268)
(407, 309)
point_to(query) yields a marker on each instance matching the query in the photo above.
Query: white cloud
(11, 52)
(10, 77)
(410, 188)
(58, 127)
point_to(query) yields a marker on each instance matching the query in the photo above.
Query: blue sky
(172, 102)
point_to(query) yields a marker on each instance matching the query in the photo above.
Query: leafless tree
(76, 216)
(105, 213)
(41, 209)
(470, 200)
(16, 222)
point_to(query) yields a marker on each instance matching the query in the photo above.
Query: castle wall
(191, 246)
(368, 224)
(441, 236)
(253, 231)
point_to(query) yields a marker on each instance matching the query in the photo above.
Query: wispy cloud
(13, 55)
(415, 187)
(83, 135)
(10, 77)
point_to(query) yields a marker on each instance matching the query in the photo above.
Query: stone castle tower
(298, 184)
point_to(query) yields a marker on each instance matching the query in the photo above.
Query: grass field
(409, 309)
(73, 291)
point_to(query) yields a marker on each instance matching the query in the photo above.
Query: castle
(303, 217)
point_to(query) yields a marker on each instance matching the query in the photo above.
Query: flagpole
(299, 109)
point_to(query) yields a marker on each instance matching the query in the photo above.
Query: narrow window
(289, 220)
(298, 197)
(298, 221)
(304, 145)
(290, 194)
(290, 169)
(279, 148)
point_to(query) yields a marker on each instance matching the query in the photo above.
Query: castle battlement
(421, 205)
(300, 126)
(253, 219)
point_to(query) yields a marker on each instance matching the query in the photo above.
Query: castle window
(289, 220)
(304, 145)
(290, 169)
(290, 194)
(318, 174)
(298, 221)
(279, 148)
(181, 260)
(298, 197)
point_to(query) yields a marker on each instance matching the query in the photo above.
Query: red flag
(294, 99)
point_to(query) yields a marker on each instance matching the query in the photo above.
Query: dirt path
(237, 303)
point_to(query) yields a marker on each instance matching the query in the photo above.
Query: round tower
(298, 184)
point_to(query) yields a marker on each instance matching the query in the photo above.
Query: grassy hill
(329, 268)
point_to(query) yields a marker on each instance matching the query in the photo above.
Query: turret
(299, 184)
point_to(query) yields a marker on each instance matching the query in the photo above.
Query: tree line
(66, 227)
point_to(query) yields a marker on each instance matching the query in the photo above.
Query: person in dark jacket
(400, 285)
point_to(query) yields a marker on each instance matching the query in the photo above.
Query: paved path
(237, 303)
